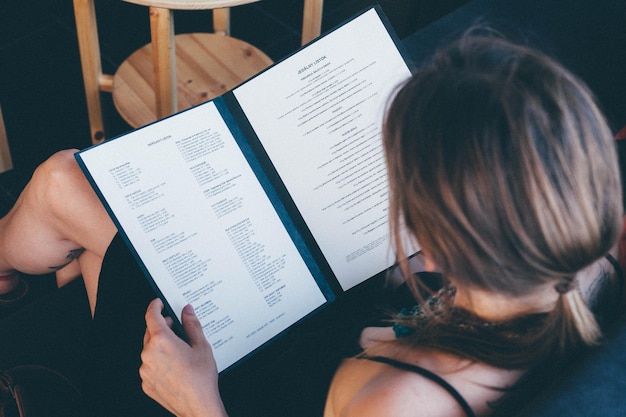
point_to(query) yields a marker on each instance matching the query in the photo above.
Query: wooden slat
(312, 20)
(163, 60)
(89, 48)
(106, 83)
(221, 21)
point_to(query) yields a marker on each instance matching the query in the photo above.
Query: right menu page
(319, 118)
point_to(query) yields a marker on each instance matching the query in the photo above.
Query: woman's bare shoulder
(363, 388)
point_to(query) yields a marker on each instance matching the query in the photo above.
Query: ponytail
(578, 313)
(578, 322)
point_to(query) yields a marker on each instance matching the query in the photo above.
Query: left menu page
(197, 217)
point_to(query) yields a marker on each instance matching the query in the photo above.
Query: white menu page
(205, 230)
(319, 118)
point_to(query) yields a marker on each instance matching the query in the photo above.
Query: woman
(503, 168)
(500, 165)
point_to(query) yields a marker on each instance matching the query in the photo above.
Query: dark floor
(41, 90)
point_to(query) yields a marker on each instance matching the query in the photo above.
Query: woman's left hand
(180, 376)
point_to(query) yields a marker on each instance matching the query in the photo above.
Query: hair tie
(564, 286)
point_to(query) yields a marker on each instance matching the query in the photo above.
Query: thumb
(192, 326)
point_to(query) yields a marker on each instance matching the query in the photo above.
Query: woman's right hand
(181, 377)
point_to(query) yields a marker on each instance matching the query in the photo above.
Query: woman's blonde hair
(504, 169)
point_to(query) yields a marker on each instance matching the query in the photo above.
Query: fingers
(155, 322)
(181, 376)
(192, 327)
(153, 313)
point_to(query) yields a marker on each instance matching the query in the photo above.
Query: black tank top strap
(426, 374)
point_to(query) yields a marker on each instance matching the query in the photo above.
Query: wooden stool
(173, 72)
